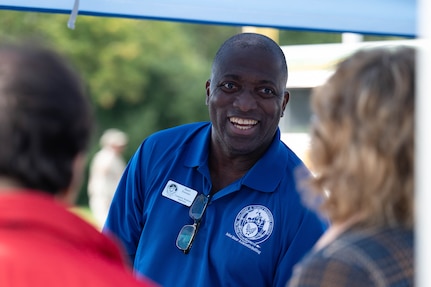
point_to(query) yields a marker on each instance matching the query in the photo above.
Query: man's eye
(268, 92)
(228, 86)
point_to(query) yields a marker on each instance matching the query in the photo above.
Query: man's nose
(245, 101)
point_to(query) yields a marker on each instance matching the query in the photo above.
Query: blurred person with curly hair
(362, 155)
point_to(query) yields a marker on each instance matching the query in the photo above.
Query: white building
(310, 66)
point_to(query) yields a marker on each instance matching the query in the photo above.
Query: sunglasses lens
(198, 207)
(185, 237)
(188, 232)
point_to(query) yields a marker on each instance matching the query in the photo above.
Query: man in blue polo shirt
(216, 203)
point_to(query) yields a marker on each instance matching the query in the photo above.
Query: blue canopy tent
(406, 18)
(380, 17)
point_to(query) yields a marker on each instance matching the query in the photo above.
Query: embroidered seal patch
(254, 223)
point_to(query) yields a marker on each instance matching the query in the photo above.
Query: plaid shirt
(358, 258)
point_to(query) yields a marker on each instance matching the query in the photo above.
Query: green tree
(142, 75)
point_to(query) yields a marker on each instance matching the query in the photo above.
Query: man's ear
(285, 100)
(207, 87)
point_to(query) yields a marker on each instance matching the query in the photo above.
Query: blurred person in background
(106, 169)
(45, 127)
(362, 155)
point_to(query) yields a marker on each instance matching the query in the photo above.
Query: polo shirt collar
(264, 176)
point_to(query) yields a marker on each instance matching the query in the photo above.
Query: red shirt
(44, 244)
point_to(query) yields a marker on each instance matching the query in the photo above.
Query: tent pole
(423, 150)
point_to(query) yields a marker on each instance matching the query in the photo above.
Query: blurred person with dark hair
(45, 127)
(362, 154)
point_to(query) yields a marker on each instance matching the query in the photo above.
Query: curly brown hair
(362, 138)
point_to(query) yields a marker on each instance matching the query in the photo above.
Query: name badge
(179, 193)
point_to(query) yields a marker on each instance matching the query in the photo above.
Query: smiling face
(246, 97)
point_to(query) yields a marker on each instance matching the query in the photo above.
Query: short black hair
(45, 116)
(244, 40)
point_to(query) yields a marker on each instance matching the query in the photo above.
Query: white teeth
(243, 123)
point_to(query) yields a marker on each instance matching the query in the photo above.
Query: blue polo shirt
(252, 233)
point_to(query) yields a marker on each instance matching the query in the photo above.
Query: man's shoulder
(169, 139)
(288, 152)
(180, 132)
(184, 128)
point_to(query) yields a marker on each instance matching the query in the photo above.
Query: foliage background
(142, 76)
